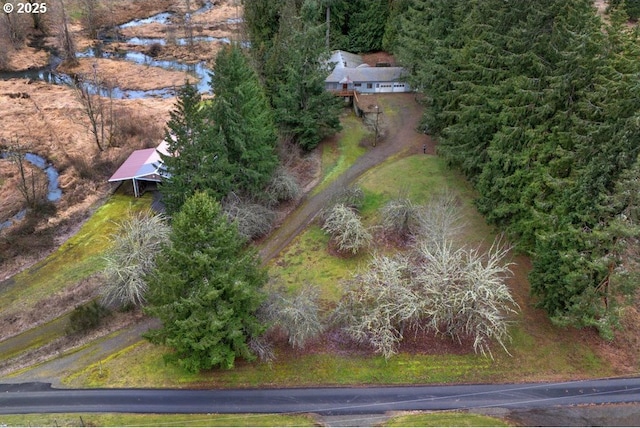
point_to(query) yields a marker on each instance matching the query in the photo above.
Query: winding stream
(199, 70)
(54, 193)
(49, 74)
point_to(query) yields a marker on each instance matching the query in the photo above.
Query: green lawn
(444, 419)
(156, 420)
(307, 261)
(338, 157)
(142, 365)
(78, 258)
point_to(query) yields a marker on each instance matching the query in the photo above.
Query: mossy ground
(78, 258)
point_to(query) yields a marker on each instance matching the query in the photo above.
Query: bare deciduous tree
(31, 186)
(91, 16)
(466, 292)
(346, 229)
(458, 292)
(68, 45)
(131, 257)
(378, 304)
(96, 96)
(15, 25)
(441, 219)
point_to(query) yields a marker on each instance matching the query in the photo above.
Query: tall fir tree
(205, 289)
(243, 122)
(295, 73)
(196, 159)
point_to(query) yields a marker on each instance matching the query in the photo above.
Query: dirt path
(54, 370)
(401, 139)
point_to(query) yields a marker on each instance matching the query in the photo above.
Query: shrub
(83, 166)
(298, 315)
(154, 50)
(261, 347)
(253, 220)
(401, 217)
(352, 197)
(283, 187)
(132, 257)
(86, 317)
(346, 229)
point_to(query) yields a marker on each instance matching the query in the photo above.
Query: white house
(351, 73)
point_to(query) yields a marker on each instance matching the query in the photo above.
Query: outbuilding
(142, 167)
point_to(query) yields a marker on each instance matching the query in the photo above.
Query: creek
(49, 74)
(54, 193)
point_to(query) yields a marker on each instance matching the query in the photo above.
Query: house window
(357, 85)
(369, 85)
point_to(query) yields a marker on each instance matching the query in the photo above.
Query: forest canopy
(536, 102)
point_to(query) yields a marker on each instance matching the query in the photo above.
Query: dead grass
(50, 308)
(129, 76)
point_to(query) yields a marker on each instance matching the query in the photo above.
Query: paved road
(40, 398)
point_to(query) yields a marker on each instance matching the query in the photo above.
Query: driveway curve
(402, 139)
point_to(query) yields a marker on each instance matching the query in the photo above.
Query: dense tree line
(535, 103)
(354, 25)
(223, 145)
(631, 7)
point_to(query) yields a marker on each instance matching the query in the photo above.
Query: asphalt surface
(41, 398)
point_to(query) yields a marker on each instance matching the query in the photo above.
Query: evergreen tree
(262, 22)
(630, 7)
(295, 75)
(196, 159)
(367, 25)
(535, 102)
(205, 289)
(242, 122)
(392, 29)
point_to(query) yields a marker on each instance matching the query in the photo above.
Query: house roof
(142, 164)
(348, 67)
(366, 74)
(345, 59)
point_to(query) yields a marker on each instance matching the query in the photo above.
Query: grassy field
(444, 419)
(156, 420)
(338, 157)
(78, 258)
(142, 365)
(432, 419)
(538, 350)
